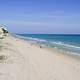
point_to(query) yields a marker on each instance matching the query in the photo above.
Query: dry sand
(23, 61)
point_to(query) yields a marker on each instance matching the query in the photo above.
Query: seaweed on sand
(2, 58)
(0, 47)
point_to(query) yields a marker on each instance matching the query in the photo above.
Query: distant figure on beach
(40, 46)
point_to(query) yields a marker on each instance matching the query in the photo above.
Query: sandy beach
(23, 61)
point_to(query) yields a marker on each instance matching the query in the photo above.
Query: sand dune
(23, 61)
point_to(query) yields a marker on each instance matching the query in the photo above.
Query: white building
(2, 33)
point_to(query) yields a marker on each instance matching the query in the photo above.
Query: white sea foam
(66, 45)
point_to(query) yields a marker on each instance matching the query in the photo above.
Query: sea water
(67, 43)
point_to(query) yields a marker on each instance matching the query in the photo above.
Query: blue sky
(41, 16)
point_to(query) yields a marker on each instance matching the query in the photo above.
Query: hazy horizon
(41, 16)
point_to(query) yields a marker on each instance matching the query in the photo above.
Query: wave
(64, 44)
(30, 38)
(36, 39)
(54, 44)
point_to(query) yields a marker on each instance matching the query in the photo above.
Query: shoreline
(30, 62)
(70, 54)
(42, 45)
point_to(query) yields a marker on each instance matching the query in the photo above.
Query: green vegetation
(3, 32)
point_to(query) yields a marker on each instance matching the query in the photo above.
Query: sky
(41, 16)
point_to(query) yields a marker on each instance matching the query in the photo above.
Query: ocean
(63, 42)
